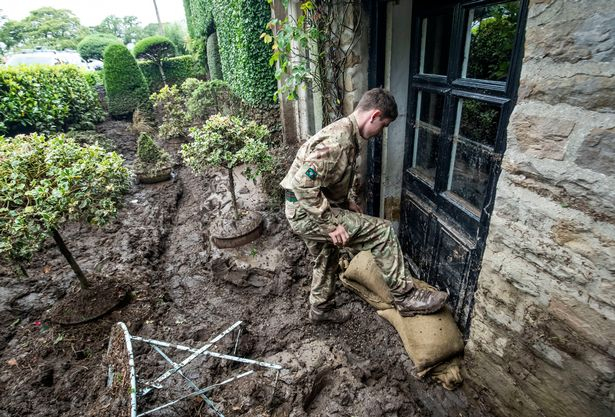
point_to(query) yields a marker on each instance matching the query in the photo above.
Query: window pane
(427, 132)
(435, 39)
(475, 133)
(479, 121)
(490, 34)
(470, 173)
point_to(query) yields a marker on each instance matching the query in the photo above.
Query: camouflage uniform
(317, 185)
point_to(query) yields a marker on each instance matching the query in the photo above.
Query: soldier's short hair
(381, 99)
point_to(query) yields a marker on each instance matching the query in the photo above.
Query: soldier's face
(375, 126)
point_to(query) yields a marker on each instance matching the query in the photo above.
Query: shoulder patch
(311, 173)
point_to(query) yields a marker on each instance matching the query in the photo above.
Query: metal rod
(190, 358)
(194, 394)
(237, 341)
(209, 402)
(208, 353)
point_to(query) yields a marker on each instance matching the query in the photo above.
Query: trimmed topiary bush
(46, 99)
(46, 182)
(124, 82)
(213, 57)
(93, 46)
(176, 70)
(156, 49)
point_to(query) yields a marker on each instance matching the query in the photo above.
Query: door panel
(465, 65)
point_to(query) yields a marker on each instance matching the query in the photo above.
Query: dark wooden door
(465, 65)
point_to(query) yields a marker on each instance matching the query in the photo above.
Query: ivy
(244, 59)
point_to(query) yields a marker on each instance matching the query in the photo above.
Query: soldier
(318, 209)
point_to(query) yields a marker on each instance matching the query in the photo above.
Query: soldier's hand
(352, 206)
(339, 236)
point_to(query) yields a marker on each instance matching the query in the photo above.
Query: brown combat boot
(410, 301)
(338, 315)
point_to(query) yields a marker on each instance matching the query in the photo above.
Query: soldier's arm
(315, 173)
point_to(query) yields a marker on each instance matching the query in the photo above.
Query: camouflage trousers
(366, 233)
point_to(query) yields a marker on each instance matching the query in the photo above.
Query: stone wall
(542, 339)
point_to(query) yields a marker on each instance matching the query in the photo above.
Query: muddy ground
(186, 291)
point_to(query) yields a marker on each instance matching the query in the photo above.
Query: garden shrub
(124, 82)
(213, 58)
(46, 99)
(170, 110)
(211, 97)
(176, 70)
(93, 46)
(150, 156)
(48, 181)
(156, 49)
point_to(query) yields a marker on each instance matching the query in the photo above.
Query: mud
(186, 291)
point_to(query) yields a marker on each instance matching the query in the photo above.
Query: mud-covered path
(186, 291)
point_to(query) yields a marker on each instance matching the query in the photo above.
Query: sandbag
(432, 341)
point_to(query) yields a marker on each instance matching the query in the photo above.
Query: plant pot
(227, 232)
(154, 176)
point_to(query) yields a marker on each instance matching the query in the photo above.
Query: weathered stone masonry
(543, 332)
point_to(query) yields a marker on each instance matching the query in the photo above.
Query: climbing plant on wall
(243, 57)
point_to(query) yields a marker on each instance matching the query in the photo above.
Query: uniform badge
(311, 173)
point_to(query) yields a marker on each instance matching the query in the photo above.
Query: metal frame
(146, 387)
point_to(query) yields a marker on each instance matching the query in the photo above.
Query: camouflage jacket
(323, 170)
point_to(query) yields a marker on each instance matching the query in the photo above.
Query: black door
(465, 64)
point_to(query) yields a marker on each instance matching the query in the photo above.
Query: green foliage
(243, 58)
(227, 142)
(126, 28)
(169, 106)
(45, 182)
(174, 31)
(179, 108)
(154, 48)
(213, 57)
(491, 45)
(150, 155)
(124, 82)
(198, 49)
(176, 70)
(210, 97)
(46, 99)
(45, 27)
(93, 46)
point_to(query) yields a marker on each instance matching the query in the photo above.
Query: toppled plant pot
(154, 176)
(229, 232)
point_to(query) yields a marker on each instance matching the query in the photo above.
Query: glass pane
(427, 132)
(479, 121)
(490, 35)
(475, 133)
(470, 173)
(435, 39)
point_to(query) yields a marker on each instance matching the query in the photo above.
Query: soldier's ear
(376, 113)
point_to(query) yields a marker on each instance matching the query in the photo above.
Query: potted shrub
(153, 163)
(227, 142)
(46, 182)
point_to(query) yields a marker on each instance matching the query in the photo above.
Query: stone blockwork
(542, 339)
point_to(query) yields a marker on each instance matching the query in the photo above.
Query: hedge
(243, 55)
(154, 48)
(124, 82)
(93, 46)
(176, 70)
(46, 99)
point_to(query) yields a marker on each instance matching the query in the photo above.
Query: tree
(175, 31)
(155, 49)
(124, 82)
(48, 181)
(127, 28)
(93, 46)
(227, 142)
(45, 27)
